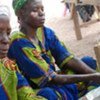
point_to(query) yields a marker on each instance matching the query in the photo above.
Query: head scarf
(4, 10)
(18, 4)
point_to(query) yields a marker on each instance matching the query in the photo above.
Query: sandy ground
(64, 29)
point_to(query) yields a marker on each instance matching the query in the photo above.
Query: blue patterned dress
(37, 63)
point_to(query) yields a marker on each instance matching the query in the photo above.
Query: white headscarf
(4, 10)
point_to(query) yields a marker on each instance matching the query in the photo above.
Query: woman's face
(34, 15)
(4, 35)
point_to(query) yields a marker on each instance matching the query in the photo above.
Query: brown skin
(35, 18)
(67, 79)
(79, 66)
(4, 35)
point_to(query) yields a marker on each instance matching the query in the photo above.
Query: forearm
(78, 66)
(68, 79)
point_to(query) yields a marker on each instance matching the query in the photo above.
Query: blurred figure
(85, 12)
(67, 7)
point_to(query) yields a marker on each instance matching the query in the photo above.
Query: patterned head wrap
(18, 4)
(4, 10)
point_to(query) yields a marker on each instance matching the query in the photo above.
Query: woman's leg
(91, 62)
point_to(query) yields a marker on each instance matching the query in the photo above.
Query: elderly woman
(13, 86)
(36, 49)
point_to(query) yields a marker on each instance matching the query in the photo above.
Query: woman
(13, 86)
(37, 48)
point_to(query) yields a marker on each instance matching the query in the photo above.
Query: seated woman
(13, 86)
(36, 49)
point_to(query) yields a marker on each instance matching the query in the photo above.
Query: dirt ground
(63, 26)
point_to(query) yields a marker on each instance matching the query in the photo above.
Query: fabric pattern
(13, 86)
(38, 63)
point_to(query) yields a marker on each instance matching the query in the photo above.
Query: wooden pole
(76, 23)
(97, 53)
(97, 12)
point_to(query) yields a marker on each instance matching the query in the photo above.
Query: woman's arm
(68, 79)
(78, 66)
(64, 58)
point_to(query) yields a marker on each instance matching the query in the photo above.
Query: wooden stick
(76, 24)
(97, 53)
(88, 23)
